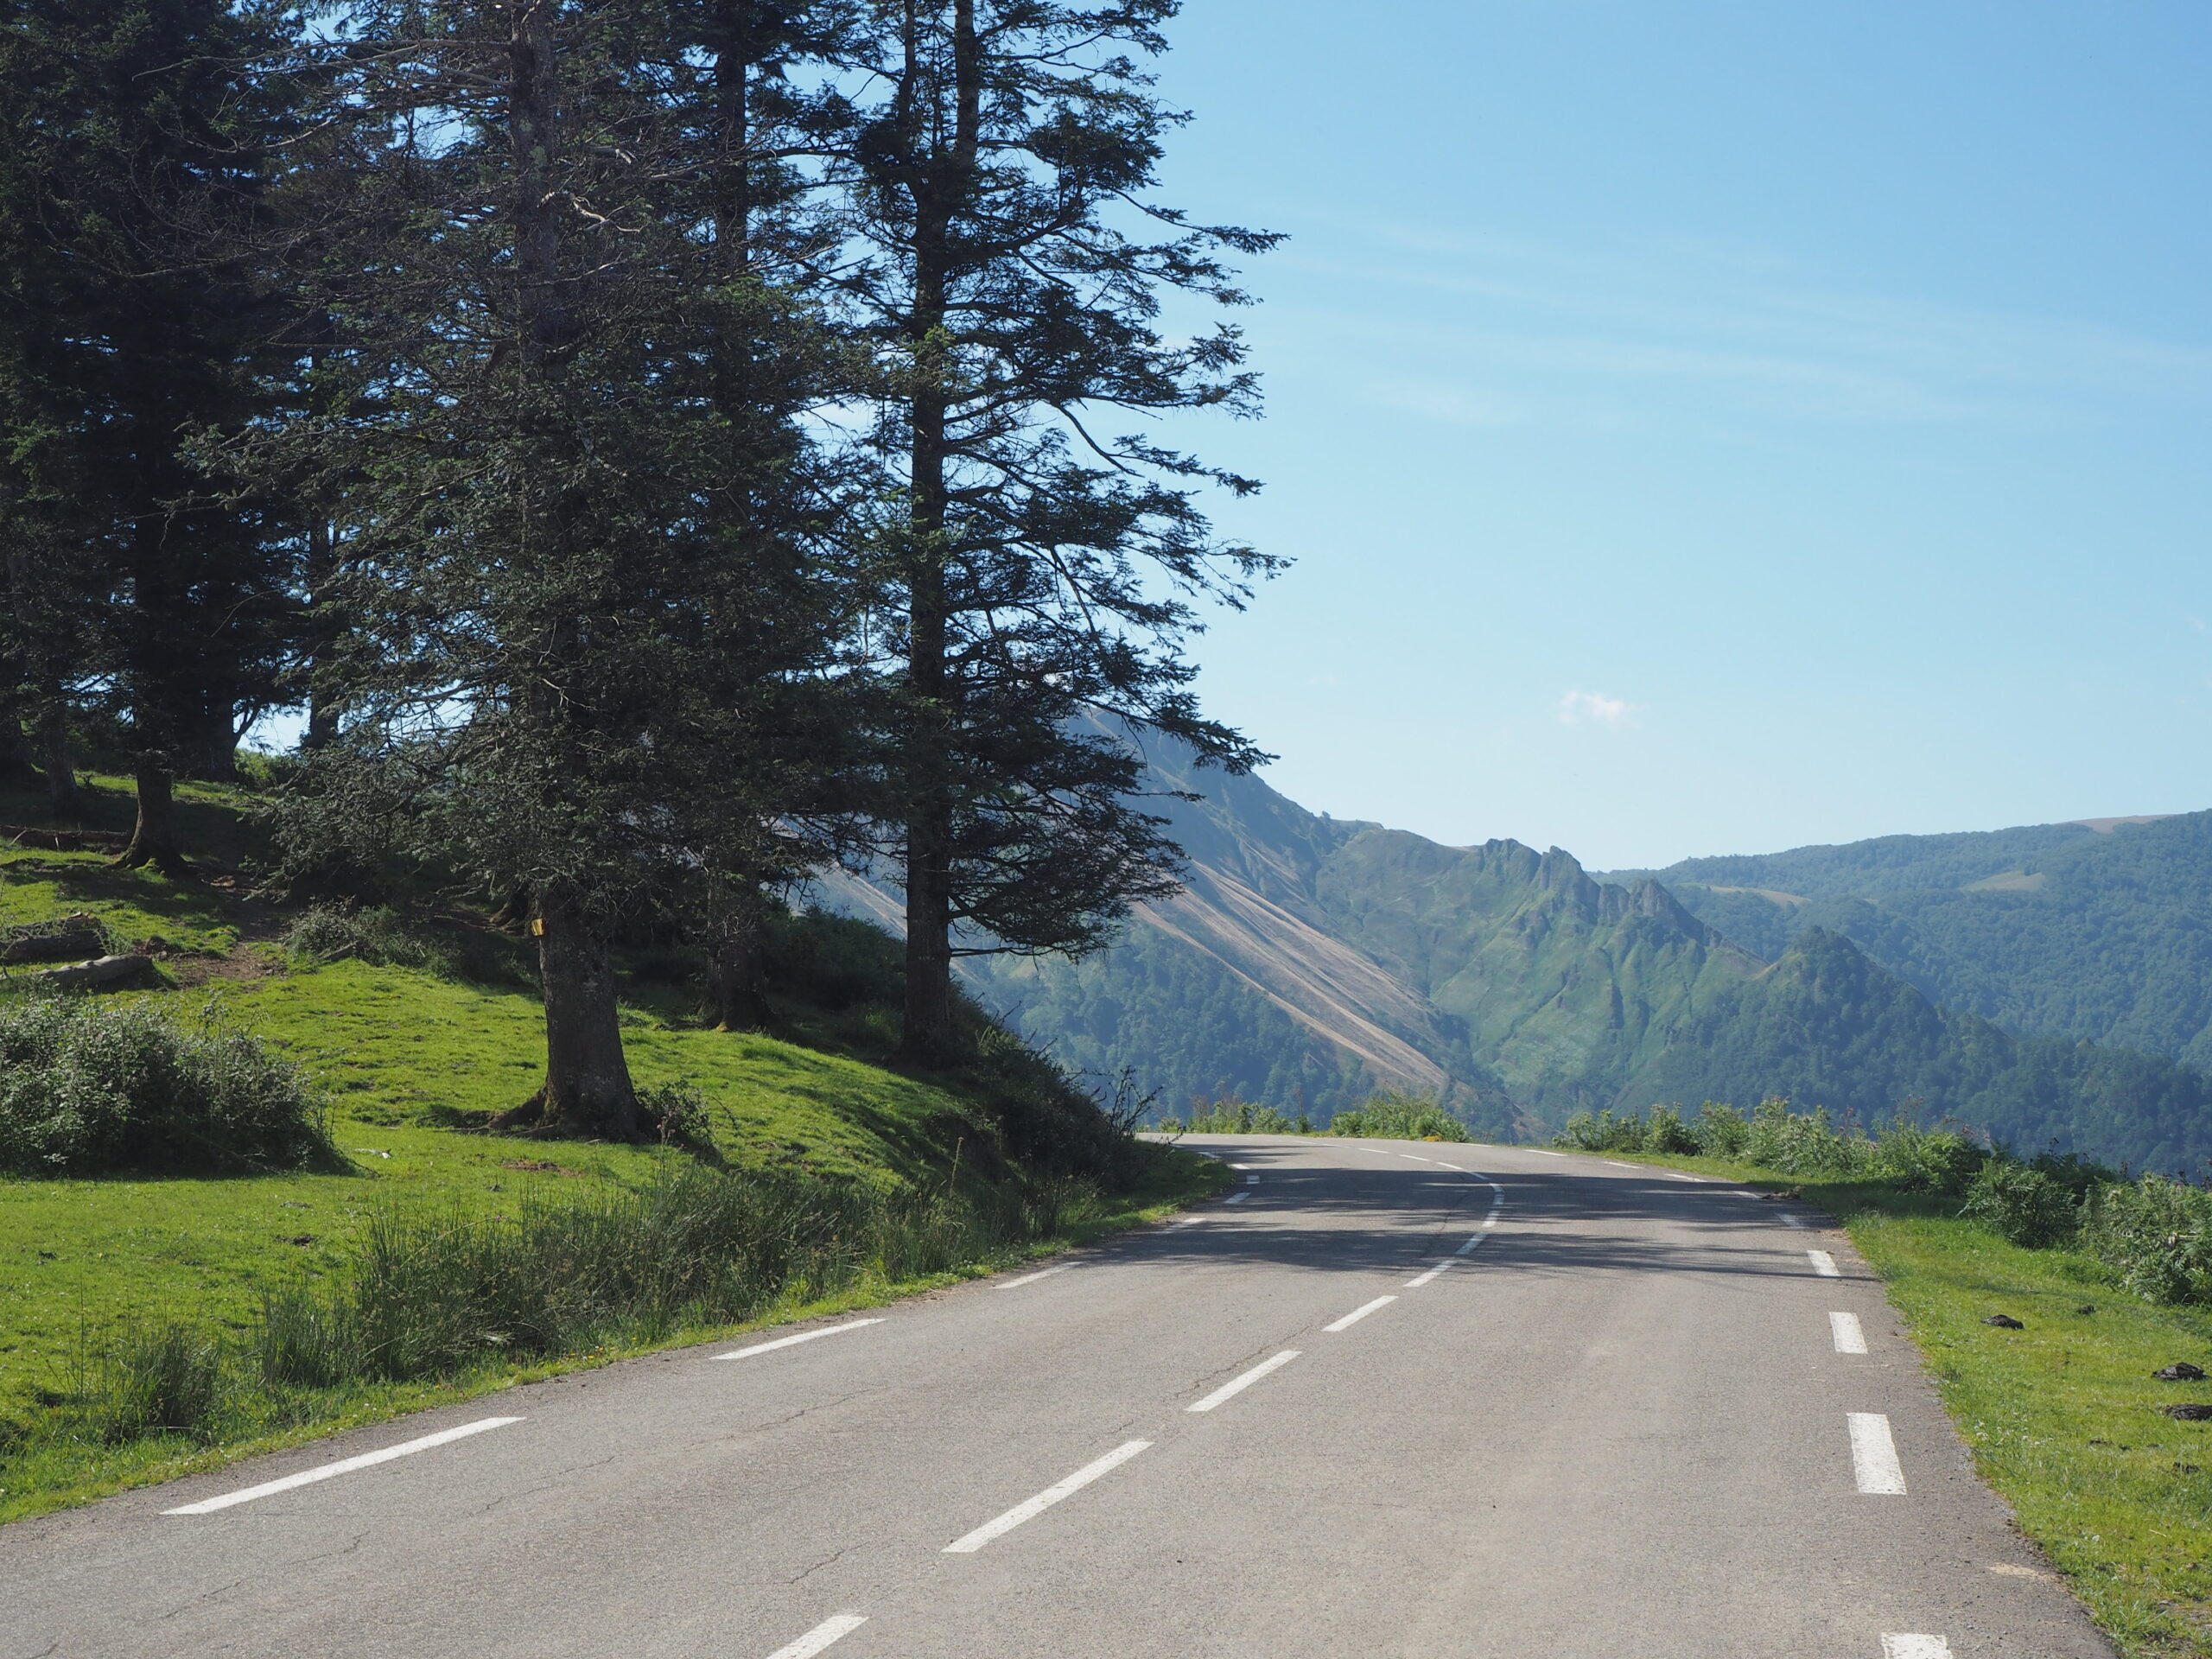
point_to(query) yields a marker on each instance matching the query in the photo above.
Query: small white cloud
(1595, 709)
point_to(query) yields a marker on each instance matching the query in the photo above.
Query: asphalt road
(1626, 1422)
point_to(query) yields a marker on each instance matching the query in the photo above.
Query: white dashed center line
(1359, 1313)
(1914, 1647)
(793, 1341)
(1823, 1264)
(821, 1637)
(1849, 1337)
(343, 1466)
(1237, 1385)
(1237, 1197)
(1789, 1220)
(1031, 1278)
(1874, 1463)
(1416, 1283)
(1044, 1500)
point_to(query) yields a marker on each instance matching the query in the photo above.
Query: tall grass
(441, 1297)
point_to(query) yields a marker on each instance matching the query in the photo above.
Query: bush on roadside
(2023, 1204)
(89, 1085)
(1393, 1115)
(377, 936)
(1720, 1130)
(2155, 1237)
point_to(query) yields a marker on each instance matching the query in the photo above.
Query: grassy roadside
(407, 1060)
(208, 1256)
(2061, 1416)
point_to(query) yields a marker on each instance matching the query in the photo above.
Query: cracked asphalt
(1618, 1427)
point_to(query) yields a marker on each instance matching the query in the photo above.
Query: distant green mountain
(2058, 930)
(1310, 960)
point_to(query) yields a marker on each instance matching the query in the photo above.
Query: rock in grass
(2180, 1371)
(2190, 1411)
(2005, 1322)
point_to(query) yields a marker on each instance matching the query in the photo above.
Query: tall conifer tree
(1045, 567)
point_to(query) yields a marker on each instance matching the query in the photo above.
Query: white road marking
(1914, 1647)
(1416, 1157)
(1359, 1313)
(1611, 1165)
(1789, 1220)
(1237, 1385)
(1045, 1500)
(1677, 1175)
(1740, 1193)
(792, 1342)
(1467, 1249)
(1186, 1221)
(821, 1637)
(1415, 1284)
(1031, 1278)
(1237, 1197)
(1823, 1264)
(1849, 1337)
(1541, 1153)
(1251, 1180)
(343, 1466)
(1874, 1463)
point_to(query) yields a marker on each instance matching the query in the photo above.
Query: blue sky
(1717, 427)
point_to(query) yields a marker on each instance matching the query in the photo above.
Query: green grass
(2061, 1416)
(404, 1057)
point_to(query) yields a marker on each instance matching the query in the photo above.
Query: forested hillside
(2058, 930)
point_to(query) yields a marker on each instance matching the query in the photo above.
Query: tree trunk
(736, 991)
(945, 182)
(63, 798)
(16, 768)
(153, 838)
(321, 568)
(587, 1091)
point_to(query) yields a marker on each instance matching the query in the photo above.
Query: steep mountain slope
(1311, 960)
(2060, 930)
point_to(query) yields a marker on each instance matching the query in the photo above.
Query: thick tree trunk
(16, 768)
(587, 1091)
(736, 988)
(63, 798)
(153, 838)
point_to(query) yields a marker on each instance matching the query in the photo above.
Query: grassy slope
(2061, 1416)
(393, 1048)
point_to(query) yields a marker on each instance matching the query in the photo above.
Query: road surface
(1390, 1399)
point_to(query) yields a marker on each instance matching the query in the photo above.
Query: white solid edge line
(821, 1637)
(1904, 1645)
(1850, 1337)
(1031, 1278)
(1045, 1500)
(1237, 1385)
(792, 1342)
(1237, 1197)
(1789, 1220)
(343, 1466)
(1874, 1463)
(1824, 1264)
(1359, 1313)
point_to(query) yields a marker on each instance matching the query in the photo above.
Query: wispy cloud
(1545, 331)
(1595, 709)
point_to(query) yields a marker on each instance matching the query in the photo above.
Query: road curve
(1317, 1419)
